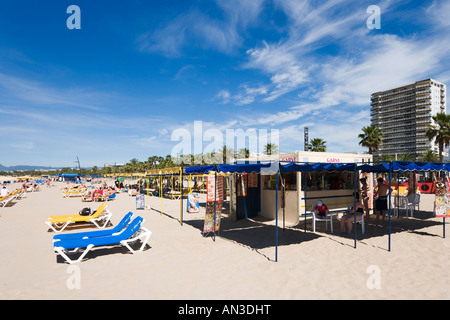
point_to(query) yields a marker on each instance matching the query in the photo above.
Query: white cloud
(195, 28)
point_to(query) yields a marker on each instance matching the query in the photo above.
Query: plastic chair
(413, 202)
(361, 222)
(402, 203)
(328, 218)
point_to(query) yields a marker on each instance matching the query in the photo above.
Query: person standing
(381, 194)
(364, 191)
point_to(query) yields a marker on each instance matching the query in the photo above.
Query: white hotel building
(403, 115)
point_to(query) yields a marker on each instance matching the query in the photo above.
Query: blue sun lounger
(94, 234)
(132, 233)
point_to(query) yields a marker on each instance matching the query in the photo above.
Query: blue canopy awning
(382, 167)
(317, 167)
(198, 170)
(405, 166)
(228, 168)
(242, 168)
(69, 175)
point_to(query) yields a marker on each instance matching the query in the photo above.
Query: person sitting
(348, 218)
(320, 209)
(4, 192)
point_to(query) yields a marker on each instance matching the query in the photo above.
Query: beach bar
(283, 189)
(299, 190)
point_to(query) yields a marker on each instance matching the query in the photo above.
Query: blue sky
(138, 70)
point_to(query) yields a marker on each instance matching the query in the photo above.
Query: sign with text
(442, 200)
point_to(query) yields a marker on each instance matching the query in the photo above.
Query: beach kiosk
(335, 189)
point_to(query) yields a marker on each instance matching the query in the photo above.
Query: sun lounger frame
(142, 232)
(59, 227)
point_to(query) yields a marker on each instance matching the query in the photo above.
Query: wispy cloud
(338, 83)
(195, 28)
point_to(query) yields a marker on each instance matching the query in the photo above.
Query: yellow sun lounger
(99, 218)
(78, 193)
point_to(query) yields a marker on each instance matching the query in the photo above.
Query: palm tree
(371, 138)
(440, 132)
(227, 154)
(270, 148)
(384, 158)
(429, 156)
(244, 153)
(406, 157)
(317, 145)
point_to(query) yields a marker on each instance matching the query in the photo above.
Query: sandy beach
(179, 263)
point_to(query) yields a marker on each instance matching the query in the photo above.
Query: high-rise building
(403, 115)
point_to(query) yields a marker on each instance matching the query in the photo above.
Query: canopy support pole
(355, 173)
(160, 192)
(389, 212)
(305, 186)
(276, 216)
(215, 203)
(443, 218)
(181, 196)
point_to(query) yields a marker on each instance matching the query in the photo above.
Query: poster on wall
(193, 205)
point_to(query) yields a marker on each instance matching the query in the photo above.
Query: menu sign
(442, 200)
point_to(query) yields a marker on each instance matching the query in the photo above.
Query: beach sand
(180, 263)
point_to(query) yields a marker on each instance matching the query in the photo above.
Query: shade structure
(405, 166)
(317, 167)
(246, 168)
(199, 170)
(232, 168)
(276, 167)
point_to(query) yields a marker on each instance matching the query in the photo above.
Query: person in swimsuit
(348, 218)
(381, 201)
(365, 195)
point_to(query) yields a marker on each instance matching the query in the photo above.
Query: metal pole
(389, 212)
(354, 199)
(215, 204)
(160, 192)
(306, 186)
(181, 195)
(443, 221)
(276, 217)
(148, 195)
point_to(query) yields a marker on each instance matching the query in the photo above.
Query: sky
(137, 72)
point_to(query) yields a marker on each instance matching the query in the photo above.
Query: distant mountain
(24, 167)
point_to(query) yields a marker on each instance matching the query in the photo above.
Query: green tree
(429, 156)
(317, 145)
(440, 132)
(270, 148)
(371, 138)
(227, 154)
(406, 157)
(244, 153)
